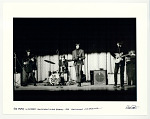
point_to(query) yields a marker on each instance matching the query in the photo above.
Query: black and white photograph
(74, 59)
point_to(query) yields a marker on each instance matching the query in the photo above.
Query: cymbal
(49, 61)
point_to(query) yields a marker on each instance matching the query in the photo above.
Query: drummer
(63, 69)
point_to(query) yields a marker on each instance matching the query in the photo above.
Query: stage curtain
(93, 61)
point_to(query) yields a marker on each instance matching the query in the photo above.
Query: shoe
(24, 84)
(35, 85)
(79, 85)
(122, 87)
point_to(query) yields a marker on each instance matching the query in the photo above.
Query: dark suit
(28, 67)
(131, 70)
(78, 57)
(120, 65)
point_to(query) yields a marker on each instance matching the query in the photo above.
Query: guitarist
(29, 65)
(78, 56)
(119, 63)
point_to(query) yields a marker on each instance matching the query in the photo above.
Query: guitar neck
(124, 55)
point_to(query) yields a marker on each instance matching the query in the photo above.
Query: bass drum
(54, 79)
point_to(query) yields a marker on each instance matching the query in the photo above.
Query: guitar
(78, 59)
(119, 57)
(28, 60)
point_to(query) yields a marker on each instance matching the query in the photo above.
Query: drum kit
(55, 78)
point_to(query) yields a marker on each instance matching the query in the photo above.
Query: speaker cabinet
(98, 77)
(17, 79)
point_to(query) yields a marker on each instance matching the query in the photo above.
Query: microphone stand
(119, 54)
(57, 51)
(15, 71)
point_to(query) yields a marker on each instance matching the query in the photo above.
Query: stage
(87, 92)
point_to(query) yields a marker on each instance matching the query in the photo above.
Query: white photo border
(116, 10)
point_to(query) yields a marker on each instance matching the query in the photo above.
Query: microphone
(14, 54)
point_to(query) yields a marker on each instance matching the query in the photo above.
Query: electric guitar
(78, 59)
(119, 57)
(28, 61)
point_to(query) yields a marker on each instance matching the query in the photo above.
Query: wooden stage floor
(86, 92)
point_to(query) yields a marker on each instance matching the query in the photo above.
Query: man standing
(78, 57)
(131, 67)
(29, 65)
(119, 63)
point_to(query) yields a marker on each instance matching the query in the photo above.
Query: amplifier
(98, 77)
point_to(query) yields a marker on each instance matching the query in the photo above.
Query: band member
(63, 69)
(131, 68)
(29, 67)
(78, 57)
(119, 63)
